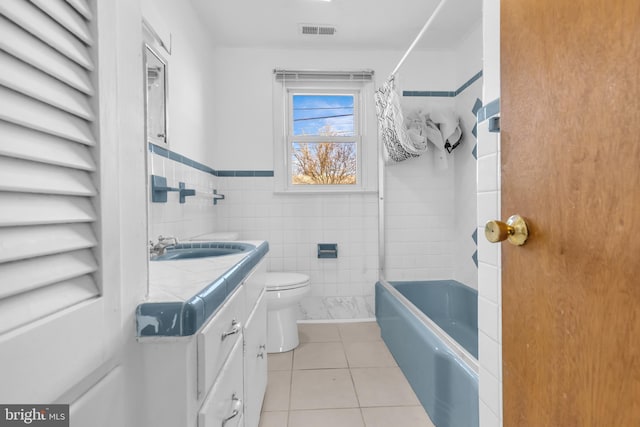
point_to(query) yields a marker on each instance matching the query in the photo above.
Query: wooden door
(570, 140)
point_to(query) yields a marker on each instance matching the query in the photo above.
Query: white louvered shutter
(47, 167)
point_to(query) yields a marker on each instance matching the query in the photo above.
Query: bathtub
(431, 328)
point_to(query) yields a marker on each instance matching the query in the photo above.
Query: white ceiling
(360, 24)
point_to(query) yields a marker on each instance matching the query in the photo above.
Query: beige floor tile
(368, 354)
(360, 331)
(318, 332)
(274, 419)
(278, 391)
(322, 388)
(326, 418)
(280, 361)
(396, 416)
(383, 387)
(343, 376)
(319, 355)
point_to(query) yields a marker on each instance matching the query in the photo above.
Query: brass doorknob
(515, 229)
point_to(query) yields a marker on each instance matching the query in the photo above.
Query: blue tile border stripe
(168, 154)
(469, 82)
(476, 106)
(439, 93)
(489, 110)
(244, 173)
(444, 93)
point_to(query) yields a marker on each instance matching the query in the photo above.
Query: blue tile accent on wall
(444, 93)
(474, 131)
(244, 173)
(476, 106)
(475, 152)
(474, 236)
(168, 154)
(440, 93)
(489, 110)
(475, 258)
(159, 150)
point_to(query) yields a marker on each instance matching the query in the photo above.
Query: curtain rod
(420, 34)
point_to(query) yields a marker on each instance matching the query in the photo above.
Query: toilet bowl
(284, 290)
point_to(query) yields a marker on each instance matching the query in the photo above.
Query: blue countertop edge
(179, 319)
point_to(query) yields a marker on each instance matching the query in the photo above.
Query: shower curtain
(398, 144)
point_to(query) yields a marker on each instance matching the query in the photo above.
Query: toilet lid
(283, 281)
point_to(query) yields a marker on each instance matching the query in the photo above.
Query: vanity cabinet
(255, 362)
(216, 377)
(223, 406)
(217, 338)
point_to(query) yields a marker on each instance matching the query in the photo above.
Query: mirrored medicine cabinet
(155, 76)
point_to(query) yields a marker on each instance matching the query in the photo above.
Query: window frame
(365, 136)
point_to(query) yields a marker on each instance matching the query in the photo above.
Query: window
(324, 141)
(323, 138)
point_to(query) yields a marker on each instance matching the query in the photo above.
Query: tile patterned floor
(341, 375)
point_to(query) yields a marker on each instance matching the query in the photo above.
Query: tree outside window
(323, 139)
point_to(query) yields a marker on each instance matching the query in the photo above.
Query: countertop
(184, 294)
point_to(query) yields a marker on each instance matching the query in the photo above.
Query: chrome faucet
(162, 244)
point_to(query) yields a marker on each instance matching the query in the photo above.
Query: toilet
(284, 290)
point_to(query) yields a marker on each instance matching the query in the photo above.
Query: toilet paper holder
(327, 250)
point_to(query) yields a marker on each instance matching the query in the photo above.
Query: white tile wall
(489, 282)
(294, 225)
(489, 269)
(465, 203)
(491, 387)
(430, 212)
(419, 220)
(196, 215)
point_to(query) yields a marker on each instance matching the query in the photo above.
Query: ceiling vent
(317, 30)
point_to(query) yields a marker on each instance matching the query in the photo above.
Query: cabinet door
(255, 360)
(223, 406)
(218, 337)
(254, 284)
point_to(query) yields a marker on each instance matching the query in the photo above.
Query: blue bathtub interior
(445, 385)
(450, 304)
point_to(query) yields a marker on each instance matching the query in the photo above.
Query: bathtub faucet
(163, 243)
